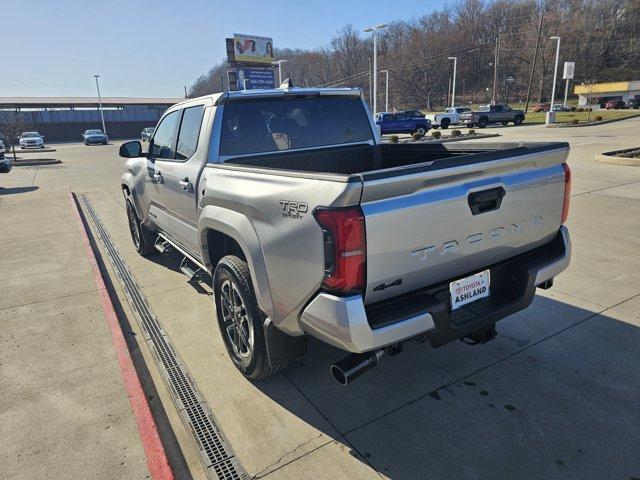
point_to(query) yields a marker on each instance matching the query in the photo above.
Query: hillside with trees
(601, 37)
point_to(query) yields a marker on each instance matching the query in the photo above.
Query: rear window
(290, 123)
(484, 108)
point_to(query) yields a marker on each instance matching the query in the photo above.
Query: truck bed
(361, 159)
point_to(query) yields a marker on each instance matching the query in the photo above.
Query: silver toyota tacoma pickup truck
(309, 225)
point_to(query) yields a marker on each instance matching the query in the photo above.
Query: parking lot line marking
(157, 462)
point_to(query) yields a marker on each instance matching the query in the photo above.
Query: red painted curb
(154, 451)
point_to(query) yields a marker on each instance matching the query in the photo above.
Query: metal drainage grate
(216, 453)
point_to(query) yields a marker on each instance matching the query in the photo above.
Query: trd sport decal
(293, 209)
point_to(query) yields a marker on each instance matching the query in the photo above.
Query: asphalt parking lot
(554, 396)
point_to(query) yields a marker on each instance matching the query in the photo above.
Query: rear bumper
(346, 323)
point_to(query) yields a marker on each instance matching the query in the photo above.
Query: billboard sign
(252, 49)
(255, 78)
(569, 69)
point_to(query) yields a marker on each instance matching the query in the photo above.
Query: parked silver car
(309, 225)
(147, 133)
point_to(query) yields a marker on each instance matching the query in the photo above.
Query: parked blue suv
(411, 121)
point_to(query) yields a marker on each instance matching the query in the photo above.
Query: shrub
(394, 138)
(456, 133)
(597, 118)
(416, 136)
(436, 134)
(575, 121)
(472, 131)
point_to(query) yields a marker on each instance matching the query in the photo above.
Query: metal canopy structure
(82, 102)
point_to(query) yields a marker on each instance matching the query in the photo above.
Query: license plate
(469, 289)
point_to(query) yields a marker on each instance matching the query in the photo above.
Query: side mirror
(131, 149)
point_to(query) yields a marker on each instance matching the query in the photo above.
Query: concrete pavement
(554, 396)
(64, 411)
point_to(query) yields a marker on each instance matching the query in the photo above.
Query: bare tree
(12, 124)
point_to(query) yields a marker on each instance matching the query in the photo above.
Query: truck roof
(218, 98)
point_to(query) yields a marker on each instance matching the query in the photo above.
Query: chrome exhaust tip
(353, 366)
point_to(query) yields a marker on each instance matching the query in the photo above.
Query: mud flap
(282, 348)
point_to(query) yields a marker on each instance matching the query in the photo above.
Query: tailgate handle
(486, 200)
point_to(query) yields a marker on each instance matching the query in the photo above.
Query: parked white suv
(31, 139)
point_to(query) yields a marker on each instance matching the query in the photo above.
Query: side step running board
(189, 268)
(161, 244)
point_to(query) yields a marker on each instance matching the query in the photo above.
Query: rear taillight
(344, 248)
(567, 192)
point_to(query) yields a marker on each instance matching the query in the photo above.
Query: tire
(241, 320)
(142, 238)
(86, 144)
(422, 130)
(504, 124)
(482, 122)
(444, 123)
(518, 120)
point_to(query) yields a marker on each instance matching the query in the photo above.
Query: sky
(153, 48)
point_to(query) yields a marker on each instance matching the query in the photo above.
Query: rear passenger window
(189, 132)
(165, 136)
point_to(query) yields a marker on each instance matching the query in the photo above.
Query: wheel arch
(232, 234)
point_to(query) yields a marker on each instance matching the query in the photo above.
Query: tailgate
(431, 223)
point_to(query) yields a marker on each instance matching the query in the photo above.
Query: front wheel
(518, 120)
(240, 319)
(142, 238)
(444, 123)
(421, 131)
(504, 124)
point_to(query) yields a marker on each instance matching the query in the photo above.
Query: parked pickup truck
(492, 114)
(411, 121)
(451, 116)
(310, 226)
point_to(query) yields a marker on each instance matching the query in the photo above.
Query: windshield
(290, 123)
(93, 132)
(30, 135)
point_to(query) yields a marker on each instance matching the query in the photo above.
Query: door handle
(157, 176)
(185, 184)
(486, 200)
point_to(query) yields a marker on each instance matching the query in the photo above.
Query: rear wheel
(444, 123)
(518, 120)
(240, 319)
(421, 130)
(142, 238)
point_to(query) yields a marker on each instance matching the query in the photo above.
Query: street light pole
(375, 63)
(453, 90)
(551, 113)
(104, 129)
(495, 70)
(386, 87)
(555, 73)
(280, 62)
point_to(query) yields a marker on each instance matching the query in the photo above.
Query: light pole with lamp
(453, 90)
(551, 114)
(280, 62)
(104, 129)
(375, 63)
(386, 88)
